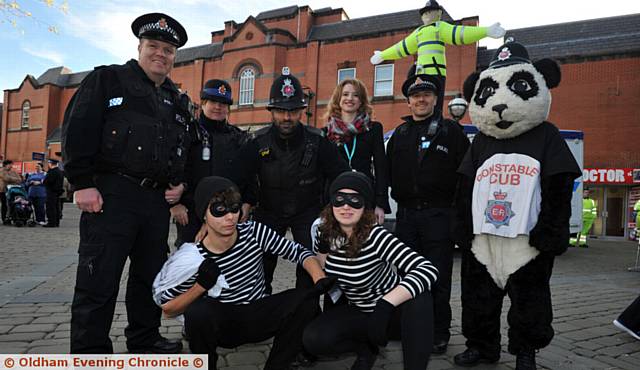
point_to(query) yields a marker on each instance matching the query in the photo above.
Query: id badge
(206, 153)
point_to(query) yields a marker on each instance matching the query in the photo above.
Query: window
(247, 80)
(383, 82)
(345, 73)
(26, 106)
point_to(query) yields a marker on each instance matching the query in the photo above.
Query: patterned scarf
(340, 132)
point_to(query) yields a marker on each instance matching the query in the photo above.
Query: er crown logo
(499, 195)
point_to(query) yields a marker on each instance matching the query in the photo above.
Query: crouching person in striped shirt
(387, 284)
(218, 284)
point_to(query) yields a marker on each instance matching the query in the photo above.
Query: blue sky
(98, 32)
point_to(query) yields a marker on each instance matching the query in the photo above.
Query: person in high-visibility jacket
(636, 208)
(589, 214)
(429, 40)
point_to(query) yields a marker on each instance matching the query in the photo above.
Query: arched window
(26, 106)
(247, 80)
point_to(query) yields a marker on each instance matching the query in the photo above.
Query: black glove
(324, 285)
(208, 273)
(379, 323)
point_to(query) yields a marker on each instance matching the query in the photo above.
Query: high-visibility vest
(589, 209)
(429, 40)
(636, 208)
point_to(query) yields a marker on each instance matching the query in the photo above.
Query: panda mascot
(514, 205)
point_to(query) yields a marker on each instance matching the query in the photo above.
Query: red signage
(619, 176)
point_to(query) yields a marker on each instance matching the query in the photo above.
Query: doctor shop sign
(619, 176)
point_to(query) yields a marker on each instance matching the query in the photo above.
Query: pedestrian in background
(7, 177)
(38, 193)
(53, 183)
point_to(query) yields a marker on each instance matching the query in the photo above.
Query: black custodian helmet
(286, 92)
(430, 5)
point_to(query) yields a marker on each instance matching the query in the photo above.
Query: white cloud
(42, 52)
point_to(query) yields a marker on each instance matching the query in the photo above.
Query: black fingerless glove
(324, 285)
(208, 273)
(379, 320)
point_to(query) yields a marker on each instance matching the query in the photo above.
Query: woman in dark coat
(360, 140)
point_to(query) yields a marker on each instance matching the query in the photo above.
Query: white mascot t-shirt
(506, 195)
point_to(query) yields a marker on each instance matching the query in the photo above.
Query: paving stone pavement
(590, 288)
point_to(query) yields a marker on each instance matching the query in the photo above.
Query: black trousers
(427, 231)
(344, 329)
(134, 224)
(440, 102)
(300, 225)
(211, 324)
(53, 208)
(530, 314)
(39, 207)
(3, 205)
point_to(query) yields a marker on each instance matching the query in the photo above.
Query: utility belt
(145, 182)
(419, 204)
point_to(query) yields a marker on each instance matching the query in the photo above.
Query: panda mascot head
(511, 96)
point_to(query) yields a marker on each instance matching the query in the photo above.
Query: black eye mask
(219, 209)
(523, 84)
(353, 200)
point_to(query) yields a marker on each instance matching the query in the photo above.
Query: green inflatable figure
(428, 42)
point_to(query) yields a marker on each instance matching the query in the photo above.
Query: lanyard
(353, 149)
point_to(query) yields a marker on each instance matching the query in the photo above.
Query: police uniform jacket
(291, 172)
(53, 181)
(423, 167)
(222, 141)
(120, 122)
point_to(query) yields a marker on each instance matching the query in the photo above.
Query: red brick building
(599, 92)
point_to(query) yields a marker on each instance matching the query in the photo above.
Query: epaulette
(315, 130)
(262, 131)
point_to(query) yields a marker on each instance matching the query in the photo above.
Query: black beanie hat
(355, 181)
(207, 188)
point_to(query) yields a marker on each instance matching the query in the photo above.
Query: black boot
(526, 360)
(473, 357)
(366, 358)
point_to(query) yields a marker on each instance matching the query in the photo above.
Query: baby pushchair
(20, 208)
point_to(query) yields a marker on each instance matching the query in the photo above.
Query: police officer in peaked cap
(126, 135)
(424, 153)
(213, 152)
(292, 162)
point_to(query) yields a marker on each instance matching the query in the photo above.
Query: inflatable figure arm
(403, 48)
(461, 35)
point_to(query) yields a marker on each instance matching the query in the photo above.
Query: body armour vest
(146, 135)
(222, 147)
(290, 180)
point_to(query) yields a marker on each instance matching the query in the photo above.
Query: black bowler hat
(286, 92)
(430, 5)
(161, 27)
(357, 181)
(419, 82)
(217, 90)
(510, 53)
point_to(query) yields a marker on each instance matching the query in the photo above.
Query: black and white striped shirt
(242, 264)
(383, 263)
